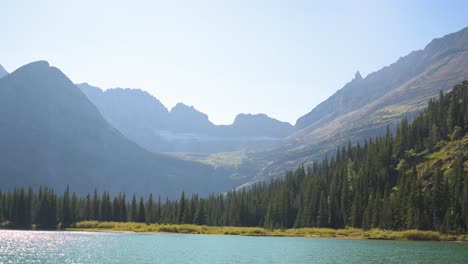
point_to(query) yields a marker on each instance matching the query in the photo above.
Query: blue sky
(281, 58)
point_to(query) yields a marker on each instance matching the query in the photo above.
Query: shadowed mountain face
(51, 134)
(248, 125)
(143, 119)
(187, 119)
(3, 72)
(366, 106)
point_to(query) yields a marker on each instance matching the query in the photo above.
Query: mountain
(259, 125)
(3, 72)
(133, 112)
(187, 119)
(51, 134)
(403, 88)
(144, 119)
(442, 57)
(364, 107)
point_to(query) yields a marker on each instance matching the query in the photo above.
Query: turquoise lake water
(84, 247)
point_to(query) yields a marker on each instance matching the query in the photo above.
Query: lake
(86, 247)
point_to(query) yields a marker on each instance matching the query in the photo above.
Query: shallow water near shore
(102, 247)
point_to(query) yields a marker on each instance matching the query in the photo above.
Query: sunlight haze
(281, 58)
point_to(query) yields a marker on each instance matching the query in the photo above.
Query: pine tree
(322, 218)
(150, 210)
(200, 214)
(66, 219)
(123, 209)
(134, 210)
(182, 207)
(141, 218)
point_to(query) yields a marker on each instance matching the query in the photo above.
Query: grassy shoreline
(350, 233)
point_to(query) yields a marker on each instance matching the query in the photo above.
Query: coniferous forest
(414, 178)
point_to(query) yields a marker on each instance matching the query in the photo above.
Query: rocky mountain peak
(357, 76)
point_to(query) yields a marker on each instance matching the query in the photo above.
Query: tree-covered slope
(51, 134)
(415, 179)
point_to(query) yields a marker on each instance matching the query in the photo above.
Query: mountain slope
(402, 88)
(359, 92)
(133, 112)
(3, 72)
(143, 118)
(364, 107)
(187, 119)
(51, 134)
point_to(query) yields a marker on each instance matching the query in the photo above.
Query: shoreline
(350, 233)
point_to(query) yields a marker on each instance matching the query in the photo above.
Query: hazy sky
(281, 58)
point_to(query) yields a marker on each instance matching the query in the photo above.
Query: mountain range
(52, 135)
(363, 108)
(145, 120)
(53, 132)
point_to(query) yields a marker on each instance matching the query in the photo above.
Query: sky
(281, 58)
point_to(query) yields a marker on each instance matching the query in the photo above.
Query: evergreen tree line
(387, 182)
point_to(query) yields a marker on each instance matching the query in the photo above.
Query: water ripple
(84, 247)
